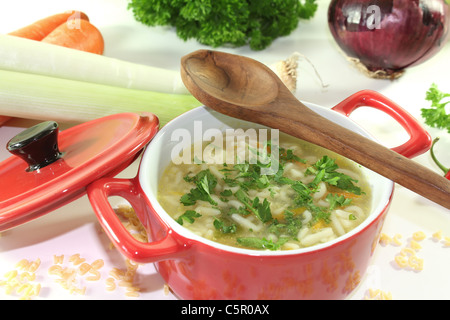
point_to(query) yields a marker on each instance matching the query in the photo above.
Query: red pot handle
(129, 189)
(419, 141)
(3, 119)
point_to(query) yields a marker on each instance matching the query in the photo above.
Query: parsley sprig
(436, 115)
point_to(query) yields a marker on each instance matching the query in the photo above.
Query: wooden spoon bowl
(247, 89)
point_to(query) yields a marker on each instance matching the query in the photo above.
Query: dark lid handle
(37, 145)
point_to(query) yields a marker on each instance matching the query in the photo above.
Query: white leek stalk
(24, 55)
(48, 82)
(33, 96)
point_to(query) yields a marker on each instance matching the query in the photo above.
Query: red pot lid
(49, 168)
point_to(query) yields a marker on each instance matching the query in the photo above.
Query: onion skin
(407, 32)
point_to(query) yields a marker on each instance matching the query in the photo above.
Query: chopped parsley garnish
(205, 182)
(258, 243)
(260, 209)
(290, 226)
(336, 200)
(246, 177)
(287, 155)
(189, 216)
(325, 170)
(220, 225)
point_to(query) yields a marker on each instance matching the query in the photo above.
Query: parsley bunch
(436, 116)
(226, 22)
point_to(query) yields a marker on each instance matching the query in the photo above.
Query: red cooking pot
(197, 268)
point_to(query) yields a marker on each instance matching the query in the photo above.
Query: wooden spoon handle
(292, 117)
(245, 89)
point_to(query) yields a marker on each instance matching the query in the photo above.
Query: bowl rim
(190, 236)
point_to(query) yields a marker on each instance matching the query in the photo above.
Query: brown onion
(385, 37)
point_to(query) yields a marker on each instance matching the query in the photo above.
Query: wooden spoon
(243, 88)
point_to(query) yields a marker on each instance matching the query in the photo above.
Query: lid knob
(37, 145)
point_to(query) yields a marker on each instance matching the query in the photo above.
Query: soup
(257, 194)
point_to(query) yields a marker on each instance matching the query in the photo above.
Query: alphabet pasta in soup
(244, 191)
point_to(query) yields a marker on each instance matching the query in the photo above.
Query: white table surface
(75, 229)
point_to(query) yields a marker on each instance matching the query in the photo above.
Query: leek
(39, 97)
(47, 82)
(24, 55)
(29, 56)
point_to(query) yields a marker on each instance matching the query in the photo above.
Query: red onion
(387, 36)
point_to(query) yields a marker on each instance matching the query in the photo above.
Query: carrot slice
(80, 34)
(41, 28)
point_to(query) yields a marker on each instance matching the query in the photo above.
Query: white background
(74, 228)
